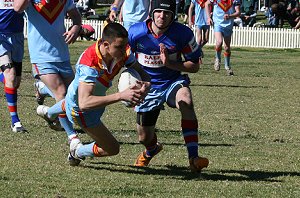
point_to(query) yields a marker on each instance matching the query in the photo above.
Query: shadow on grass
(234, 86)
(246, 175)
(183, 173)
(175, 172)
(179, 144)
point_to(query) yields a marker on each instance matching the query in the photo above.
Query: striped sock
(227, 59)
(2, 79)
(12, 97)
(190, 135)
(151, 148)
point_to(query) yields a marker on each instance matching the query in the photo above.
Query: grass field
(249, 124)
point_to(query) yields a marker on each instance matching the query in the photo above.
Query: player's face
(117, 48)
(162, 18)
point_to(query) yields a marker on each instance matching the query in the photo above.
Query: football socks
(190, 135)
(227, 60)
(152, 147)
(12, 97)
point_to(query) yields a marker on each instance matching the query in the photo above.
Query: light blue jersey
(46, 27)
(91, 68)
(200, 14)
(221, 7)
(135, 10)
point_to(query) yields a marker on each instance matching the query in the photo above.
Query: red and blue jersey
(91, 68)
(179, 40)
(10, 21)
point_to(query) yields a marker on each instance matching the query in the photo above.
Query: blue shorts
(226, 31)
(157, 97)
(85, 119)
(64, 69)
(13, 45)
(202, 27)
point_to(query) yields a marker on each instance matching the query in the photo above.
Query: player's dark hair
(113, 31)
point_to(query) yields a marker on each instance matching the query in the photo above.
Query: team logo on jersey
(201, 3)
(225, 5)
(50, 11)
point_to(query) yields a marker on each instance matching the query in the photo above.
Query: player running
(224, 12)
(158, 44)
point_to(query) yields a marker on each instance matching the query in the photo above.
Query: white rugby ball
(128, 78)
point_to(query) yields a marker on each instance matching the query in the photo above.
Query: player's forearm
(95, 102)
(144, 75)
(20, 5)
(237, 13)
(187, 66)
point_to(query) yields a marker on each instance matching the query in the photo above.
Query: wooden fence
(242, 37)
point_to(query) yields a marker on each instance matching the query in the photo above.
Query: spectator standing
(157, 43)
(11, 55)
(224, 13)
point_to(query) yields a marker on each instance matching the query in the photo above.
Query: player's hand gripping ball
(128, 78)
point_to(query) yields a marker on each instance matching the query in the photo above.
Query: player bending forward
(86, 98)
(158, 44)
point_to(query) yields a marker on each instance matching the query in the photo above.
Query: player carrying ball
(158, 44)
(86, 97)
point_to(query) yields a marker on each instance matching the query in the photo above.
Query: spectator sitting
(249, 18)
(246, 19)
(271, 16)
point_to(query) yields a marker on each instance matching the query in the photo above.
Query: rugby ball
(128, 78)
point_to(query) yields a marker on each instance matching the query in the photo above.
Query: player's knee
(60, 93)
(185, 100)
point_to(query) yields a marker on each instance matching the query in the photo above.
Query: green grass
(249, 130)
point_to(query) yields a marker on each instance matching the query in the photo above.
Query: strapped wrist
(114, 8)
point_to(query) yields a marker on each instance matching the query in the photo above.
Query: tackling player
(158, 44)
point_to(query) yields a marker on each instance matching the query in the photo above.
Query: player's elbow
(83, 106)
